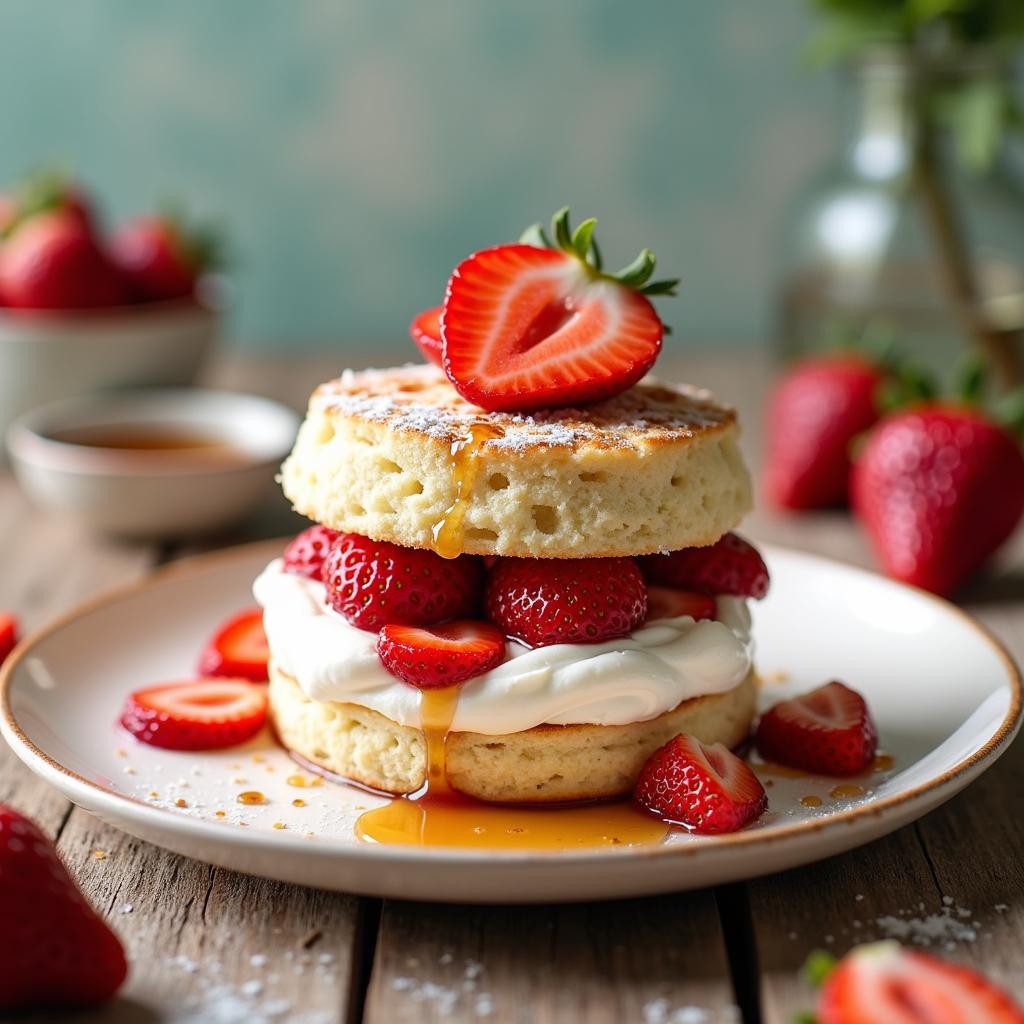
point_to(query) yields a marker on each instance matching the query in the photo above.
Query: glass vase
(897, 234)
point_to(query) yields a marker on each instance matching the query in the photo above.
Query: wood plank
(638, 960)
(213, 945)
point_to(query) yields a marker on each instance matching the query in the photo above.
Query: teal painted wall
(357, 149)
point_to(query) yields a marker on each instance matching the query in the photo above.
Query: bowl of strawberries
(83, 310)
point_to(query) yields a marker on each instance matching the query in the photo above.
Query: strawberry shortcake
(523, 573)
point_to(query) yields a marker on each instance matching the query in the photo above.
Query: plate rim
(51, 770)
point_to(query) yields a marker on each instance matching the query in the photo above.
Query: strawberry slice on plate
(704, 789)
(882, 983)
(8, 634)
(671, 603)
(425, 331)
(202, 715)
(527, 326)
(828, 731)
(441, 655)
(238, 649)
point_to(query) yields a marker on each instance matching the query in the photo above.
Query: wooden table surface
(208, 944)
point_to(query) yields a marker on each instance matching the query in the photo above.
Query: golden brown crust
(420, 400)
(383, 453)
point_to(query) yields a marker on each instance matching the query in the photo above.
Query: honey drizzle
(448, 533)
(846, 789)
(437, 712)
(438, 815)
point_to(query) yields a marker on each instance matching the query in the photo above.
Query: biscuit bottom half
(549, 763)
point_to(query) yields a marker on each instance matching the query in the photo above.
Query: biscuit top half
(398, 455)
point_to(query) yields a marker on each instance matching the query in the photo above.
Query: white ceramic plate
(946, 697)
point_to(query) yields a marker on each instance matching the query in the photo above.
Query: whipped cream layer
(630, 679)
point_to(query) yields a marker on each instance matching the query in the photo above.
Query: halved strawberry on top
(425, 331)
(528, 326)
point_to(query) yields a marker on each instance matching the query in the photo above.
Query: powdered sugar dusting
(952, 924)
(464, 993)
(420, 399)
(661, 1011)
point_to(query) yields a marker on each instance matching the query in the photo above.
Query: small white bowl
(222, 452)
(47, 355)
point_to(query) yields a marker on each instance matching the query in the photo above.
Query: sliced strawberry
(201, 715)
(704, 789)
(374, 583)
(57, 952)
(425, 330)
(305, 555)
(239, 649)
(532, 325)
(8, 634)
(441, 655)
(670, 603)
(883, 983)
(566, 600)
(828, 731)
(729, 566)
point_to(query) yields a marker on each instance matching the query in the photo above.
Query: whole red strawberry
(828, 731)
(883, 983)
(566, 600)
(705, 789)
(305, 555)
(729, 566)
(434, 657)
(938, 488)
(51, 261)
(159, 259)
(374, 583)
(528, 326)
(814, 414)
(47, 191)
(57, 951)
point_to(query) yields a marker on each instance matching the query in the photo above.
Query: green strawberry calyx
(582, 244)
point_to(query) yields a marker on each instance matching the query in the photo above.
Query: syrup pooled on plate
(439, 816)
(448, 532)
